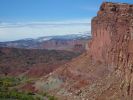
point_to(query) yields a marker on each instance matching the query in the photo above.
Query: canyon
(98, 68)
(31, 63)
(105, 71)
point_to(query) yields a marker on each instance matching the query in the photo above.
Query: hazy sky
(34, 18)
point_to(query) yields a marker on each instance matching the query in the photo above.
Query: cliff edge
(105, 72)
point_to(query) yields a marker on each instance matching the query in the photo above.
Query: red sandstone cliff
(112, 30)
(105, 72)
(112, 42)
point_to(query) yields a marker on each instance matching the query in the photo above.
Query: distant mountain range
(73, 42)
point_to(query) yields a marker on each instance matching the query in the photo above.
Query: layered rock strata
(105, 72)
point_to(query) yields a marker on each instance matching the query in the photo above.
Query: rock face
(105, 72)
(112, 30)
(112, 42)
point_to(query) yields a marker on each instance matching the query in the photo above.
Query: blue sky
(43, 10)
(35, 18)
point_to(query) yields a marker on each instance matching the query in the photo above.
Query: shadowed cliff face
(105, 72)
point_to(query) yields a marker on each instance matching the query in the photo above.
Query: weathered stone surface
(112, 30)
(112, 42)
(105, 72)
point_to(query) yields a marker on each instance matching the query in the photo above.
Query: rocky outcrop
(111, 30)
(112, 42)
(105, 72)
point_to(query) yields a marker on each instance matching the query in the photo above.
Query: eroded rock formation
(105, 72)
(112, 42)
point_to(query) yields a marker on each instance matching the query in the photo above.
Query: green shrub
(52, 98)
(6, 83)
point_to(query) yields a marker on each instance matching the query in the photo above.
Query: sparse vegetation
(8, 92)
(49, 96)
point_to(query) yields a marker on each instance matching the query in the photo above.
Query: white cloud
(14, 31)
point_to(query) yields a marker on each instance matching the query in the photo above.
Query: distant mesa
(63, 42)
